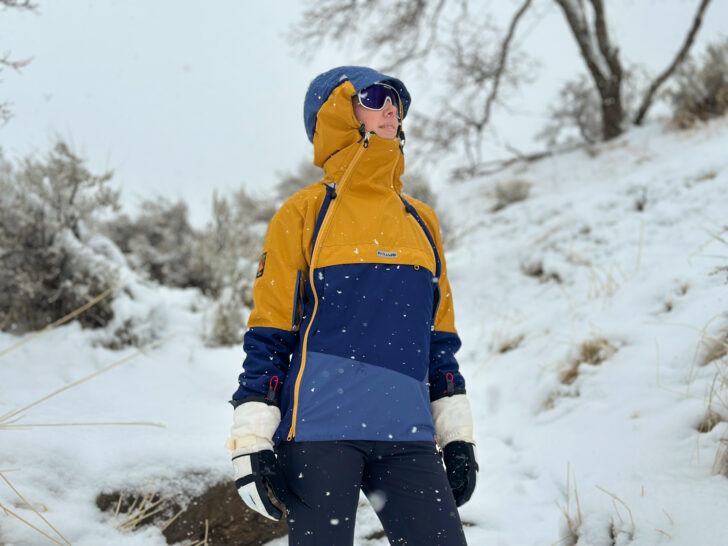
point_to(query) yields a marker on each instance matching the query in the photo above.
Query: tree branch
(18, 4)
(648, 98)
(502, 60)
(582, 36)
(5, 61)
(412, 53)
(609, 53)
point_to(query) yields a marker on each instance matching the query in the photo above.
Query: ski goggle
(375, 97)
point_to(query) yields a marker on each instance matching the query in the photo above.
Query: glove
(462, 469)
(257, 477)
(256, 467)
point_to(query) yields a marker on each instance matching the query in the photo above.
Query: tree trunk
(612, 112)
(601, 59)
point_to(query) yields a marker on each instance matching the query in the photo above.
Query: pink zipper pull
(272, 389)
(450, 378)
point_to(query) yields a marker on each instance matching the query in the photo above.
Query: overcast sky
(180, 98)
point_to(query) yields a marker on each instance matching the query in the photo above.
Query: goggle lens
(375, 97)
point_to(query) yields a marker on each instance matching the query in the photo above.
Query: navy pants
(405, 483)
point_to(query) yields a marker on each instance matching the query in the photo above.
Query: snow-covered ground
(617, 248)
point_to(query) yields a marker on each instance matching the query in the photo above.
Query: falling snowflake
(377, 499)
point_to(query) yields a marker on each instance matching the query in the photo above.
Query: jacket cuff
(254, 424)
(453, 419)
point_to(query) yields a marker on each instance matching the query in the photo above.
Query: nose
(390, 109)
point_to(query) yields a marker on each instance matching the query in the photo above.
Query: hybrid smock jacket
(352, 332)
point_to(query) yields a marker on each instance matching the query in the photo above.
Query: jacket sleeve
(445, 377)
(273, 324)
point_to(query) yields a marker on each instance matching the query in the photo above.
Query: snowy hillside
(594, 319)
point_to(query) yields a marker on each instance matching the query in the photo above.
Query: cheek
(365, 116)
(360, 113)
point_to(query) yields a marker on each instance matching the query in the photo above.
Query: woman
(350, 370)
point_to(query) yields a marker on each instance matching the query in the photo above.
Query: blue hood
(361, 77)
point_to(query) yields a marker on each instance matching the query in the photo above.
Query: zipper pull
(364, 137)
(271, 397)
(450, 384)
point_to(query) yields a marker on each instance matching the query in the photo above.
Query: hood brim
(360, 77)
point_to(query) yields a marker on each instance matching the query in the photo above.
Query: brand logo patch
(261, 266)
(383, 254)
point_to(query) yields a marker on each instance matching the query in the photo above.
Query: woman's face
(383, 122)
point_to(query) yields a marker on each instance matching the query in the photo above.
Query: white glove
(453, 419)
(254, 464)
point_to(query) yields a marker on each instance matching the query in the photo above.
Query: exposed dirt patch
(219, 510)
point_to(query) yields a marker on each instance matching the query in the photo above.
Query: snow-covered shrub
(228, 326)
(701, 87)
(226, 255)
(510, 192)
(306, 174)
(160, 242)
(416, 185)
(49, 269)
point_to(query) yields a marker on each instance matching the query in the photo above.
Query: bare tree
(482, 61)
(5, 60)
(415, 31)
(602, 60)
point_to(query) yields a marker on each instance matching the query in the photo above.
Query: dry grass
(550, 402)
(617, 530)
(132, 511)
(10, 419)
(7, 420)
(709, 421)
(720, 464)
(718, 399)
(510, 344)
(603, 282)
(151, 508)
(712, 348)
(35, 511)
(535, 269)
(706, 175)
(573, 515)
(141, 511)
(593, 352)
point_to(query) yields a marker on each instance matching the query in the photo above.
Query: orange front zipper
(321, 238)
